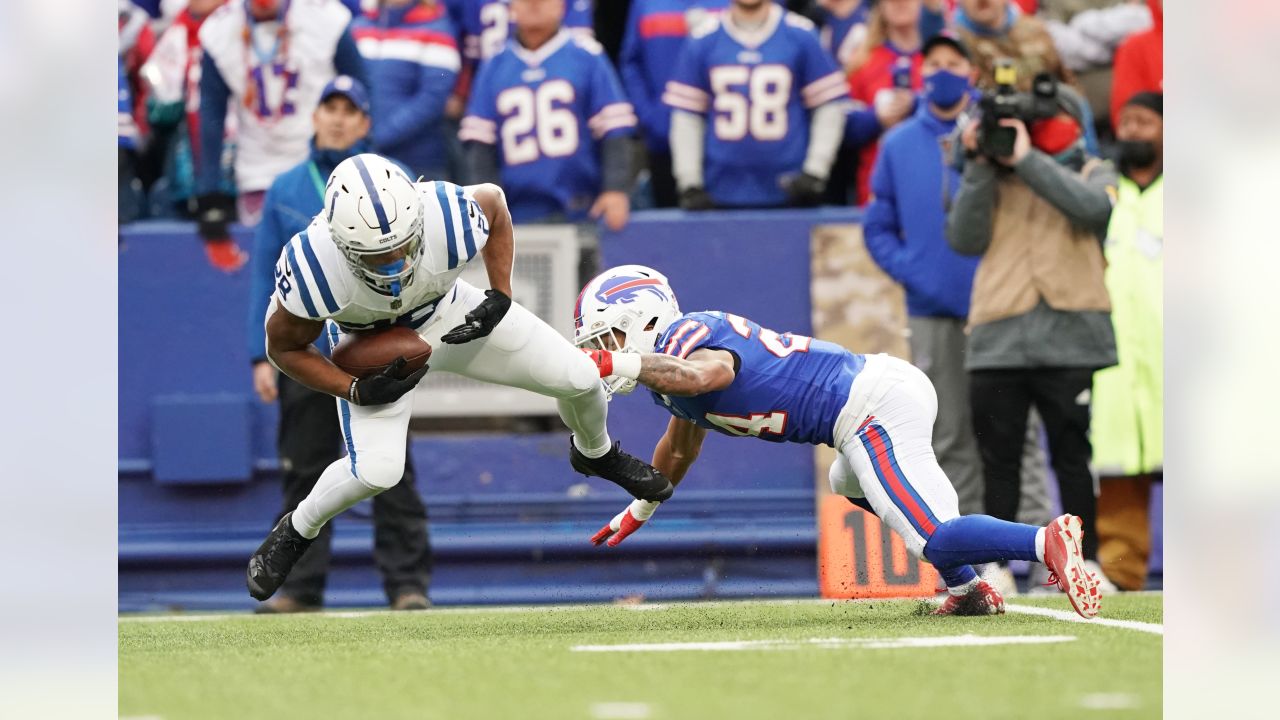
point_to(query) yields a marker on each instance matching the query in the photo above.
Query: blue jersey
(485, 25)
(841, 36)
(411, 55)
(757, 88)
(547, 111)
(788, 388)
(656, 31)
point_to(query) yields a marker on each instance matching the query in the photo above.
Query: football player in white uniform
(387, 251)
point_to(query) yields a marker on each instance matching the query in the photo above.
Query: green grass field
(800, 659)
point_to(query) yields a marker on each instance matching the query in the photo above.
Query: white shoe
(1000, 579)
(1104, 584)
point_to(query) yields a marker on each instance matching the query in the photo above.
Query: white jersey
(313, 279)
(280, 77)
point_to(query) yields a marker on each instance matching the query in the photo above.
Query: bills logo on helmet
(620, 291)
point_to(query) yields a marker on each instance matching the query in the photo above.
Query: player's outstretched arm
(674, 454)
(705, 370)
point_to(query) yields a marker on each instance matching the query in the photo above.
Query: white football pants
(884, 444)
(522, 351)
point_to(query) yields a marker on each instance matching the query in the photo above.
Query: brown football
(365, 353)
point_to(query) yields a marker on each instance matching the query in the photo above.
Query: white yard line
(620, 710)
(831, 643)
(1065, 616)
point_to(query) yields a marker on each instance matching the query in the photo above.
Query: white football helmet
(375, 218)
(624, 309)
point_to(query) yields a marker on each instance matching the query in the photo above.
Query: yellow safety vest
(1128, 399)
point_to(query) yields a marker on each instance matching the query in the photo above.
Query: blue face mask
(944, 89)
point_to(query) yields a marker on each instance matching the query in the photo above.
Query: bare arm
(706, 370)
(500, 249)
(289, 348)
(678, 448)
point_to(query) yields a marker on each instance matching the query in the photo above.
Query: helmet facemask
(388, 269)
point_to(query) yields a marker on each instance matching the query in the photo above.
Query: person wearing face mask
(912, 186)
(1040, 314)
(1128, 410)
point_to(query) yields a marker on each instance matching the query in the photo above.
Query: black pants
(309, 441)
(999, 400)
(662, 181)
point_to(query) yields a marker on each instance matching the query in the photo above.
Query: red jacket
(1139, 63)
(876, 75)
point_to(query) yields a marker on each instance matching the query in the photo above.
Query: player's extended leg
(892, 456)
(375, 437)
(525, 352)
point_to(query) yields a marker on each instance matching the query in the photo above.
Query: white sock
(585, 415)
(1040, 544)
(965, 588)
(335, 491)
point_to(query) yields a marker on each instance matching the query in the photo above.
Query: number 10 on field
(858, 557)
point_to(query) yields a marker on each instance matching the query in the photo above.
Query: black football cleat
(629, 472)
(274, 558)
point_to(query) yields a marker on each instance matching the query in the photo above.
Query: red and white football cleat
(1066, 565)
(981, 600)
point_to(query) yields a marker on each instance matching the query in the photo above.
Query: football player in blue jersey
(758, 110)
(547, 117)
(718, 371)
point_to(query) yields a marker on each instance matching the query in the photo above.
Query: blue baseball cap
(349, 88)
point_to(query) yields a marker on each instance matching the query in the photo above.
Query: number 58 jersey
(788, 388)
(756, 88)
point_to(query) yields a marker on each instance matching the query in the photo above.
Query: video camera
(995, 140)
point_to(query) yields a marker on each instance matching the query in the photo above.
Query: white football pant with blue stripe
(884, 442)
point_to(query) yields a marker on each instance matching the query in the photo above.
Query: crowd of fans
(1008, 154)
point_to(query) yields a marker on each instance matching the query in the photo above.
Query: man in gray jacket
(1039, 320)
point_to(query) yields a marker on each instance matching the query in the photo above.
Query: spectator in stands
(129, 188)
(1139, 64)
(656, 31)
(267, 59)
(913, 185)
(884, 75)
(1128, 410)
(173, 75)
(411, 52)
(1086, 33)
(565, 126)
(1039, 319)
(309, 438)
(759, 111)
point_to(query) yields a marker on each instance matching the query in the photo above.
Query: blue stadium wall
(509, 520)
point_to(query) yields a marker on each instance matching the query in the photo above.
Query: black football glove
(803, 189)
(695, 198)
(214, 211)
(482, 319)
(384, 387)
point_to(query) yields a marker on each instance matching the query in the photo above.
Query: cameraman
(1039, 320)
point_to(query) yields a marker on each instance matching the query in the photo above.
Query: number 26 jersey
(788, 388)
(547, 110)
